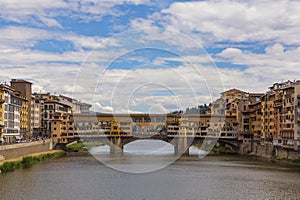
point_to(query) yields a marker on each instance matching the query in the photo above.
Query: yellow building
(280, 114)
(268, 118)
(248, 114)
(63, 128)
(144, 125)
(24, 119)
(227, 104)
(255, 120)
(290, 111)
(277, 139)
(232, 94)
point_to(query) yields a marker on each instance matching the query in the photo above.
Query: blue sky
(143, 55)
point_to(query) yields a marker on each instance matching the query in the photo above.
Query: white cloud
(19, 37)
(140, 89)
(230, 52)
(237, 21)
(103, 108)
(28, 11)
(270, 23)
(50, 22)
(276, 64)
(199, 59)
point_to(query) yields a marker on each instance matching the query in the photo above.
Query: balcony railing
(287, 128)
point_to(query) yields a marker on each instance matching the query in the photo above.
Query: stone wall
(285, 153)
(265, 151)
(268, 151)
(23, 149)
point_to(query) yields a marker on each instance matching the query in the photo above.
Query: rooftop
(233, 90)
(19, 81)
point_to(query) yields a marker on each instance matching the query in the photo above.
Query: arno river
(81, 176)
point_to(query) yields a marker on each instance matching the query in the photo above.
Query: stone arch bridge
(181, 143)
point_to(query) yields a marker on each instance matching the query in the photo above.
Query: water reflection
(78, 176)
(99, 150)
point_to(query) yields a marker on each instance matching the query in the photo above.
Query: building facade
(11, 113)
(24, 87)
(36, 116)
(275, 119)
(2, 100)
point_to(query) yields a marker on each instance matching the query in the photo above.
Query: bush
(28, 161)
(8, 167)
(75, 147)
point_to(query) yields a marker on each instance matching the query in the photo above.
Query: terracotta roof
(7, 87)
(233, 89)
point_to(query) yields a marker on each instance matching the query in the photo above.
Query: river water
(81, 176)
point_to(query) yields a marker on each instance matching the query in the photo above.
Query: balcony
(252, 115)
(277, 104)
(287, 129)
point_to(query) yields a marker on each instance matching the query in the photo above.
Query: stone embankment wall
(23, 149)
(284, 153)
(268, 151)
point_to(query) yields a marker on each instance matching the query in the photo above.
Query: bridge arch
(149, 147)
(233, 144)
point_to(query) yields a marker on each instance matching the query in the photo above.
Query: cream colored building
(2, 100)
(12, 106)
(36, 116)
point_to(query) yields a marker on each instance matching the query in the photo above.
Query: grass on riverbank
(28, 161)
(296, 161)
(81, 146)
(222, 149)
(212, 148)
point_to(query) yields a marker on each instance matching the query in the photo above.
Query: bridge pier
(181, 146)
(116, 145)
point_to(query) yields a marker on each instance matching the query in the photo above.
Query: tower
(24, 87)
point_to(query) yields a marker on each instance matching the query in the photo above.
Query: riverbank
(28, 160)
(82, 146)
(221, 150)
(275, 160)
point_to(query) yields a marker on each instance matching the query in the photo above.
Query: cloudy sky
(149, 56)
